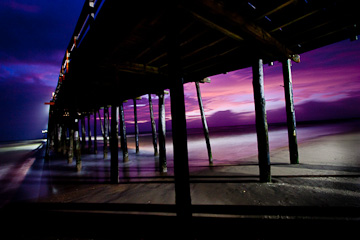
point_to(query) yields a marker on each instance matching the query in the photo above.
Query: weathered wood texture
(181, 164)
(89, 133)
(114, 145)
(204, 123)
(77, 146)
(290, 112)
(261, 122)
(162, 134)
(106, 131)
(153, 126)
(136, 127)
(95, 133)
(124, 147)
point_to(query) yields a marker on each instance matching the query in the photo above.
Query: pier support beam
(204, 123)
(63, 139)
(124, 147)
(290, 112)
(95, 134)
(162, 134)
(77, 146)
(83, 134)
(114, 145)
(136, 127)
(153, 126)
(179, 134)
(71, 142)
(89, 134)
(261, 122)
(106, 131)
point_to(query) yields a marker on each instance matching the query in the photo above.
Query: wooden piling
(58, 138)
(136, 127)
(162, 134)
(106, 131)
(114, 145)
(179, 133)
(77, 146)
(83, 134)
(290, 112)
(95, 134)
(89, 134)
(124, 147)
(71, 143)
(153, 126)
(204, 123)
(63, 140)
(261, 122)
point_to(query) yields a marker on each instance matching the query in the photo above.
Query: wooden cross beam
(248, 28)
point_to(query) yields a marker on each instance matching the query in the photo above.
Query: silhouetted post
(101, 125)
(136, 127)
(71, 142)
(162, 134)
(63, 139)
(124, 147)
(77, 146)
(106, 131)
(83, 134)
(290, 112)
(181, 164)
(261, 122)
(153, 126)
(95, 134)
(114, 145)
(204, 123)
(89, 134)
(58, 137)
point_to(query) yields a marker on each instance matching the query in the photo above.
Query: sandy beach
(323, 190)
(328, 175)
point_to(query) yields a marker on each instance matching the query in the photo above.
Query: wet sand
(328, 175)
(320, 195)
(16, 158)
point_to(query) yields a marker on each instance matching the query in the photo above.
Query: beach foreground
(322, 191)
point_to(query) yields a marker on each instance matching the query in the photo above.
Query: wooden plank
(268, 13)
(217, 27)
(295, 20)
(256, 32)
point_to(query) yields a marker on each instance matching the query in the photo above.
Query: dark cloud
(23, 112)
(320, 110)
(229, 118)
(36, 31)
(34, 37)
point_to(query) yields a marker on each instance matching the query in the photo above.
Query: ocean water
(232, 145)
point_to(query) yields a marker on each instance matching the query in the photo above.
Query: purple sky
(35, 35)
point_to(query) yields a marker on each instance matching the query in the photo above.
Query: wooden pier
(121, 50)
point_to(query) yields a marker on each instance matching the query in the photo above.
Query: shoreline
(313, 182)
